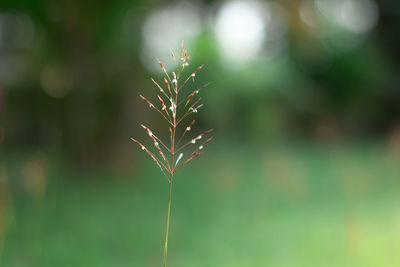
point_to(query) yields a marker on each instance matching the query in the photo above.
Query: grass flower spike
(175, 109)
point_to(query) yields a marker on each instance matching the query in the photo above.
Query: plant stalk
(167, 225)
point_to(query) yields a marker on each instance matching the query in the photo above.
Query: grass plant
(170, 156)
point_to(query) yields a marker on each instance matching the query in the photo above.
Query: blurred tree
(70, 72)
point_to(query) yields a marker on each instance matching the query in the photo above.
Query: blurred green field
(331, 205)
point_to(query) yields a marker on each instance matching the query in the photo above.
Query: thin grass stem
(167, 224)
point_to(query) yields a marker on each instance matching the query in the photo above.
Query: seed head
(171, 113)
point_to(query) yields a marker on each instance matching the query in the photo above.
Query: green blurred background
(304, 169)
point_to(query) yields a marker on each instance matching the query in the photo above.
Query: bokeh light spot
(166, 28)
(241, 28)
(56, 82)
(357, 16)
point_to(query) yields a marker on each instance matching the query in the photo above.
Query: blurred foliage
(289, 206)
(70, 73)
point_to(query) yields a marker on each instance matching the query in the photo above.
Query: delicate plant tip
(188, 128)
(147, 101)
(199, 68)
(194, 154)
(189, 98)
(167, 83)
(149, 132)
(198, 90)
(208, 140)
(200, 147)
(161, 65)
(199, 106)
(159, 87)
(137, 142)
(172, 54)
(185, 62)
(164, 70)
(162, 103)
(194, 110)
(179, 158)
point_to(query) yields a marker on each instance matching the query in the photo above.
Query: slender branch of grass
(188, 128)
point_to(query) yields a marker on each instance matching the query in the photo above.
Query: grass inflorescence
(175, 110)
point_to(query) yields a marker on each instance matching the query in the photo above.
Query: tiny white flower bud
(143, 148)
(188, 129)
(179, 158)
(193, 74)
(172, 107)
(200, 147)
(193, 141)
